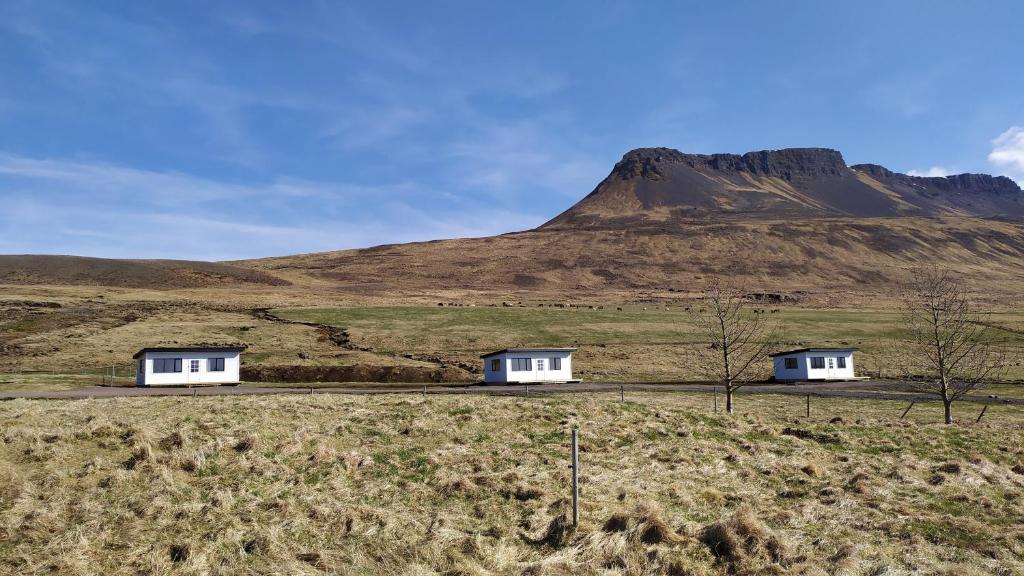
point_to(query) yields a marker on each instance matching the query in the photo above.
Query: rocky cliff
(660, 185)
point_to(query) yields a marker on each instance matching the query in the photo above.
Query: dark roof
(191, 349)
(799, 350)
(496, 352)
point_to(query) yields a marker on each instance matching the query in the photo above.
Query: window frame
(841, 362)
(522, 365)
(160, 366)
(817, 362)
(555, 363)
(495, 364)
(215, 364)
(791, 363)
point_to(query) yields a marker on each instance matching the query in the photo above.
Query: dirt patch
(818, 437)
(527, 281)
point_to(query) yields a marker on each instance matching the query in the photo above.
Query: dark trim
(517, 350)
(139, 354)
(803, 350)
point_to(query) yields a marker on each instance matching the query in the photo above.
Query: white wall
(146, 377)
(804, 371)
(506, 374)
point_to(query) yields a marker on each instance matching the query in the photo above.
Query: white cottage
(528, 365)
(187, 366)
(814, 364)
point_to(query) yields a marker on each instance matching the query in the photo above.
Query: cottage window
(817, 362)
(521, 365)
(215, 365)
(841, 361)
(166, 365)
(496, 365)
(556, 363)
(193, 366)
(790, 363)
(540, 364)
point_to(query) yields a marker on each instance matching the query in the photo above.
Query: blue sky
(217, 130)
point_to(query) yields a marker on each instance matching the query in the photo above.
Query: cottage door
(192, 371)
(539, 376)
(831, 367)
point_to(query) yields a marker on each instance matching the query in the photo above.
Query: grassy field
(469, 485)
(64, 331)
(634, 343)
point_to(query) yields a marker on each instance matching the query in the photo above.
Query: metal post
(715, 392)
(907, 410)
(622, 393)
(193, 392)
(424, 390)
(575, 478)
(983, 409)
(808, 405)
(527, 390)
(310, 390)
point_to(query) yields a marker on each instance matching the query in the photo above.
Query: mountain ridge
(663, 184)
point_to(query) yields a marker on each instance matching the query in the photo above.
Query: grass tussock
(743, 542)
(468, 485)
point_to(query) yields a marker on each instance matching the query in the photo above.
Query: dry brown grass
(479, 485)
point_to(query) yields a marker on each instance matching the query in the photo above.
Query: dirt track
(877, 390)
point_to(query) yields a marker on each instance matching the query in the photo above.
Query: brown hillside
(156, 274)
(815, 254)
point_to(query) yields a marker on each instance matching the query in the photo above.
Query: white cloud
(1008, 153)
(933, 172)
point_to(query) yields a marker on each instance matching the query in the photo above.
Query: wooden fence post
(424, 390)
(622, 393)
(808, 405)
(715, 392)
(575, 478)
(907, 410)
(983, 409)
(527, 390)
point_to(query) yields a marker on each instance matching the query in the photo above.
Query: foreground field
(470, 485)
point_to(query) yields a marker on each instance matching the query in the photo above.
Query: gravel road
(868, 389)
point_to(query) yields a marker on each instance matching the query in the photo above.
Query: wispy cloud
(502, 158)
(98, 209)
(1008, 153)
(932, 172)
(910, 95)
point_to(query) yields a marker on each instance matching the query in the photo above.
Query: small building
(814, 364)
(528, 365)
(198, 366)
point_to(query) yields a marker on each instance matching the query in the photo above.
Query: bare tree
(952, 348)
(738, 335)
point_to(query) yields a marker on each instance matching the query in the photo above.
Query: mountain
(655, 185)
(662, 221)
(791, 220)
